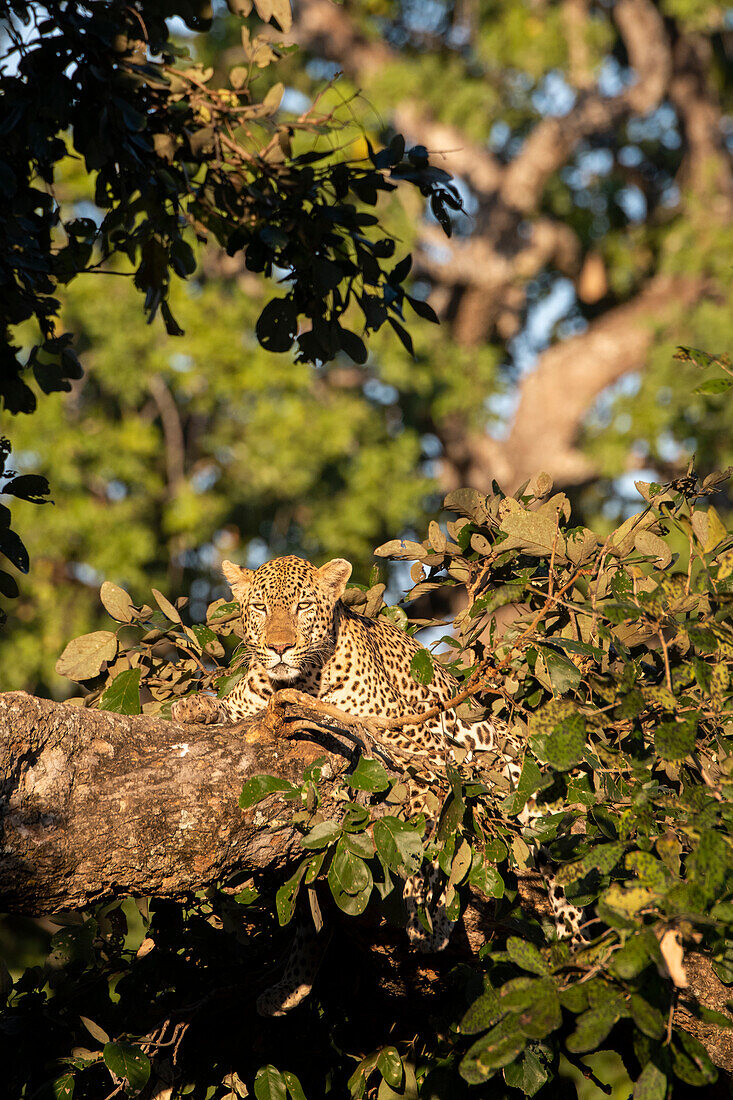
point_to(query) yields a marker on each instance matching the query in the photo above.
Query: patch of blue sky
(632, 201)
(295, 102)
(554, 97)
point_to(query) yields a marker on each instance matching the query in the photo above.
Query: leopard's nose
(280, 649)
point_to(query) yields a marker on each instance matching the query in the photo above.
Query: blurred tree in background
(590, 145)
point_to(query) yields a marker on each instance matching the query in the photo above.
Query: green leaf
(421, 667)
(270, 1084)
(498, 1048)
(582, 648)
(700, 358)
(564, 747)
(123, 694)
(675, 740)
(294, 1086)
(651, 1084)
(602, 858)
(395, 615)
(529, 781)
(628, 900)
(646, 1017)
(399, 844)
(361, 844)
(714, 385)
(350, 881)
(529, 1073)
(259, 786)
(368, 775)
(526, 956)
(651, 871)
(62, 1088)
(355, 818)
(127, 1063)
(287, 895)
(592, 1027)
(484, 1012)
(542, 1015)
(691, 1062)
(485, 877)
(630, 959)
(321, 835)
(84, 657)
(224, 610)
(709, 863)
(390, 1066)
(564, 675)
(205, 636)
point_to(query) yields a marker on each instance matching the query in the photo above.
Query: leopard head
(288, 612)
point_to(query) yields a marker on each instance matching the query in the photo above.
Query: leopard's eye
(258, 608)
(304, 605)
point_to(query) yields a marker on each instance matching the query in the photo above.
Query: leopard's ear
(239, 579)
(334, 575)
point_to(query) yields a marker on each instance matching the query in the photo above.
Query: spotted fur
(298, 634)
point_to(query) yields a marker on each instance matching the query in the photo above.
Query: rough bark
(95, 805)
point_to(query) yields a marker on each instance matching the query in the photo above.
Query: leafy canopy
(174, 158)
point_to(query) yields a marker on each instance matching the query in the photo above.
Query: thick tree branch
(175, 444)
(707, 168)
(560, 391)
(553, 140)
(96, 804)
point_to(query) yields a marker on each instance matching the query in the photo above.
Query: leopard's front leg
(200, 709)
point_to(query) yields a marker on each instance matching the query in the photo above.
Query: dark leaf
(423, 309)
(404, 336)
(31, 487)
(13, 549)
(277, 325)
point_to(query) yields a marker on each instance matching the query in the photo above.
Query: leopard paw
(201, 709)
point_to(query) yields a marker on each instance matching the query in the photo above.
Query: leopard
(298, 633)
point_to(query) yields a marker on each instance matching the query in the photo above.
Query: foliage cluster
(609, 662)
(174, 157)
(30, 487)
